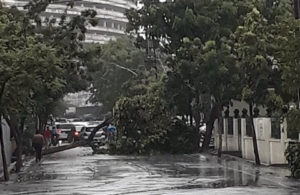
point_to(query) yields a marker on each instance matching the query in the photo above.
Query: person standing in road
(37, 143)
(47, 136)
(54, 135)
(111, 131)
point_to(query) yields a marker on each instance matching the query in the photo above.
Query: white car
(86, 131)
(63, 130)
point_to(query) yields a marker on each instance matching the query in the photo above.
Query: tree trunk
(37, 123)
(255, 148)
(220, 118)
(197, 117)
(5, 169)
(209, 127)
(93, 133)
(19, 150)
(42, 123)
(191, 116)
(13, 125)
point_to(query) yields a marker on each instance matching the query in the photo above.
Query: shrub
(292, 154)
(181, 138)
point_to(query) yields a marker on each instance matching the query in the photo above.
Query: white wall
(229, 142)
(271, 151)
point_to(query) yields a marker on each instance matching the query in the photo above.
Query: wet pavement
(77, 171)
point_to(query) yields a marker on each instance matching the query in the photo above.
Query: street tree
(252, 53)
(197, 35)
(39, 64)
(119, 62)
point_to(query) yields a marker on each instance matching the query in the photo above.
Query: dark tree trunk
(93, 133)
(191, 116)
(42, 123)
(220, 118)
(197, 118)
(209, 127)
(5, 169)
(22, 124)
(13, 125)
(255, 148)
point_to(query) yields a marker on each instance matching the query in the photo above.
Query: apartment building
(110, 15)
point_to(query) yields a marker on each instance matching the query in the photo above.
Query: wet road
(77, 171)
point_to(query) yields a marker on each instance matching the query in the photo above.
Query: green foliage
(39, 63)
(181, 138)
(292, 154)
(118, 63)
(142, 124)
(252, 50)
(145, 125)
(293, 121)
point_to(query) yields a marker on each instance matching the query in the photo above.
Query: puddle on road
(204, 173)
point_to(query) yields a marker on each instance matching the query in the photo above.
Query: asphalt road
(78, 171)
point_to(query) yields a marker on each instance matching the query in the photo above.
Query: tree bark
(13, 125)
(220, 118)
(93, 133)
(209, 127)
(255, 148)
(197, 117)
(191, 116)
(5, 169)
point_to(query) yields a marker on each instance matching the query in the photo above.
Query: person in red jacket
(47, 136)
(37, 143)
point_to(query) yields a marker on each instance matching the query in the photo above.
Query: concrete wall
(271, 151)
(7, 144)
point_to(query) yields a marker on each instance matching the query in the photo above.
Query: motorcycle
(54, 140)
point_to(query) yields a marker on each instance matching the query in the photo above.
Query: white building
(79, 99)
(110, 15)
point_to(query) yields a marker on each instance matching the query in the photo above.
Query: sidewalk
(27, 162)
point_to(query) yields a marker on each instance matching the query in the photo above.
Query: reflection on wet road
(77, 171)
